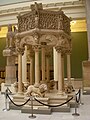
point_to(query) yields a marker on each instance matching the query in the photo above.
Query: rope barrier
(78, 98)
(78, 92)
(54, 105)
(17, 104)
(9, 90)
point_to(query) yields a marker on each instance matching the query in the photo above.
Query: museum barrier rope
(77, 99)
(17, 104)
(53, 105)
(9, 90)
(7, 95)
(77, 102)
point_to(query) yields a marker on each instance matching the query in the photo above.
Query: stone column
(62, 59)
(55, 67)
(43, 63)
(88, 25)
(31, 67)
(68, 68)
(37, 66)
(60, 85)
(20, 85)
(48, 67)
(48, 70)
(24, 68)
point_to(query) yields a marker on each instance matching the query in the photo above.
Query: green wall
(79, 53)
(2, 58)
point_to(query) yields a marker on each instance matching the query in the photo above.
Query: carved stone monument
(43, 29)
(9, 53)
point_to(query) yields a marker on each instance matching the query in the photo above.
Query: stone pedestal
(10, 72)
(10, 76)
(86, 75)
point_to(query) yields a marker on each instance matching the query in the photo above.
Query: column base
(36, 85)
(19, 93)
(60, 93)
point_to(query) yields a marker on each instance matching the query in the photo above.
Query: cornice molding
(9, 13)
(45, 6)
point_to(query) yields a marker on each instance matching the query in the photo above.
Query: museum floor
(83, 110)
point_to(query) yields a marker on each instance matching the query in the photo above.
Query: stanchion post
(75, 114)
(80, 103)
(32, 116)
(6, 93)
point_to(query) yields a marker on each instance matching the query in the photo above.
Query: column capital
(68, 52)
(36, 47)
(58, 49)
(20, 51)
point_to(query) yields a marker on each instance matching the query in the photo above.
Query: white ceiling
(5, 2)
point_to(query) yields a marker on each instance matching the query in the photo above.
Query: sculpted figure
(51, 84)
(10, 37)
(36, 91)
(68, 88)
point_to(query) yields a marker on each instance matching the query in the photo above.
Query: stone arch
(63, 41)
(27, 40)
(49, 39)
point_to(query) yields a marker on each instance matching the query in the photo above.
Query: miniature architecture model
(40, 30)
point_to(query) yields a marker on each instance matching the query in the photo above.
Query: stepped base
(36, 110)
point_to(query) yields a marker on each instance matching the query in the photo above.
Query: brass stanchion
(76, 114)
(80, 102)
(32, 116)
(6, 100)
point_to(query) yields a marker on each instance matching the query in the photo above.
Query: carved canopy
(43, 19)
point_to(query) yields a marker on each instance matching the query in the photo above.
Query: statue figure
(10, 37)
(68, 88)
(51, 84)
(36, 91)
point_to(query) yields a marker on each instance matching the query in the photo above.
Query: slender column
(60, 86)
(24, 68)
(31, 68)
(20, 74)
(68, 69)
(88, 25)
(43, 63)
(37, 66)
(48, 67)
(62, 59)
(55, 67)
